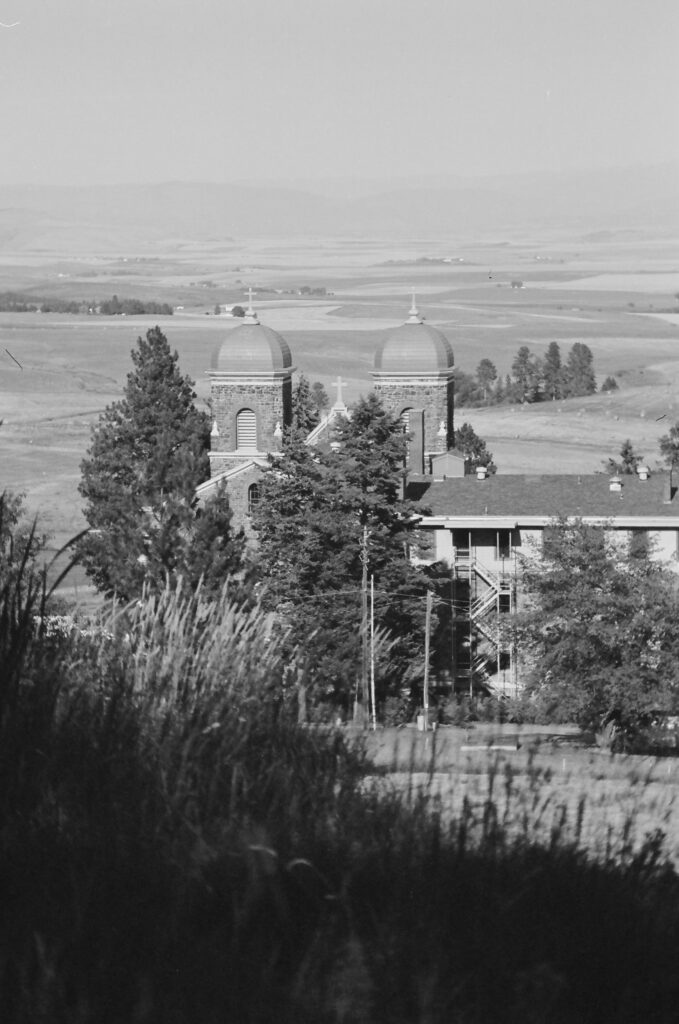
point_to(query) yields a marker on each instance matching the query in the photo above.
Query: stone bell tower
(413, 375)
(251, 392)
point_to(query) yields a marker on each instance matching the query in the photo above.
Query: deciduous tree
(600, 630)
(669, 447)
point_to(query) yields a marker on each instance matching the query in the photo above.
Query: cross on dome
(414, 314)
(249, 312)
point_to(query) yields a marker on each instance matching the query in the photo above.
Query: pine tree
(305, 414)
(552, 371)
(474, 448)
(628, 462)
(578, 375)
(527, 374)
(486, 374)
(320, 397)
(147, 456)
(669, 447)
(321, 512)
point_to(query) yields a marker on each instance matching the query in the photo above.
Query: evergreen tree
(527, 374)
(486, 374)
(669, 447)
(320, 397)
(305, 414)
(326, 521)
(578, 376)
(552, 371)
(628, 462)
(147, 456)
(474, 448)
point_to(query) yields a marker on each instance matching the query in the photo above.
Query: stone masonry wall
(237, 493)
(437, 400)
(271, 403)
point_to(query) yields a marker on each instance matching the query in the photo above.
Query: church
(479, 524)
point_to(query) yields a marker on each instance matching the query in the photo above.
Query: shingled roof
(547, 496)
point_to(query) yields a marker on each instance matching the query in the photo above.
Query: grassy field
(540, 777)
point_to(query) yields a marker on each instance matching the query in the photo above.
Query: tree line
(15, 302)
(533, 378)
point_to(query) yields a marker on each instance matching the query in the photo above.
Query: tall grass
(174, 847)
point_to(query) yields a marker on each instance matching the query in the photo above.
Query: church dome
(414, 347)
(251, 348)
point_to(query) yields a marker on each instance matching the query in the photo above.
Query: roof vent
(481, 472)
(643, 472)
(615, 483)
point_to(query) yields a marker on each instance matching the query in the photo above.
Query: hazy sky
(154, 90)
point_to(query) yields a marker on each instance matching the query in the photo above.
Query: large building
(480, 524)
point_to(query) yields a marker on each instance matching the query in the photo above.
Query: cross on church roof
(339, 403)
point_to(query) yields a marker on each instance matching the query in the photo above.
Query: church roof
(414, 348)
(251, 348)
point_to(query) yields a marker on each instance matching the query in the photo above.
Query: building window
(246, 430)
(503, 544)
(253, 497)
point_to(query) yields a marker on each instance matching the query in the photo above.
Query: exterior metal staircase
(489, 594)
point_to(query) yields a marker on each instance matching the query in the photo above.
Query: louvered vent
(246, 430)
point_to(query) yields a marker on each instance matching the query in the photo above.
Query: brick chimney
(669, 489)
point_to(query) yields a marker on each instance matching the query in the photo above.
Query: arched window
(246, 430)
(253, 497)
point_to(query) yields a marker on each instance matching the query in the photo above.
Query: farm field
(616, 294)
(539, 778)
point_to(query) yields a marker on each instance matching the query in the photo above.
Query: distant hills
(118, 217)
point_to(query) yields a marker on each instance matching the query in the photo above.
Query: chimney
(615, 484)
(481, 472)
(668, 494)
(643, 472)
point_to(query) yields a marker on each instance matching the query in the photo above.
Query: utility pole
(364, 623)
(427, 631)
(372, 652)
